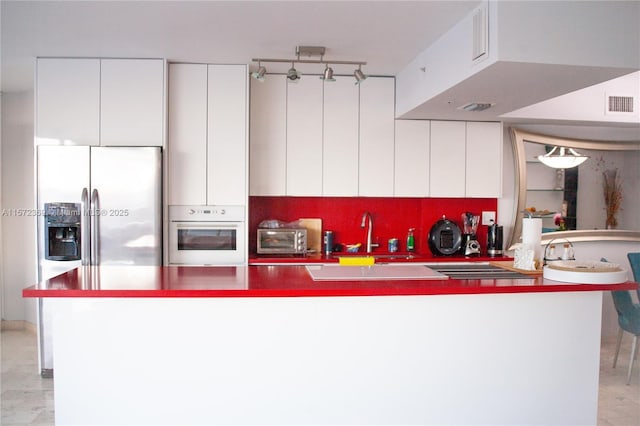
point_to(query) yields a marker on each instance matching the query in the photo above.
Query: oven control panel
(206, 213)
(208, 210)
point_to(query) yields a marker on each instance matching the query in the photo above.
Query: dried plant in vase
(612, 187)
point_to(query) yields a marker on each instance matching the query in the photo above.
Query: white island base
(510, 359)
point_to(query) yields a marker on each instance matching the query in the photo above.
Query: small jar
(567, 252)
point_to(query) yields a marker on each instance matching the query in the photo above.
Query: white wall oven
(207, 235)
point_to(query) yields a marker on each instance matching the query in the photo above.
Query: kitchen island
(268, 345)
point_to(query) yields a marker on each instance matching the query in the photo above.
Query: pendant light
(562, 158)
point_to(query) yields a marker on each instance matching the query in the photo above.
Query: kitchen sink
(389, 256)
(476, 270)
(373, 272)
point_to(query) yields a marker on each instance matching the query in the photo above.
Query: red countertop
(384, 257)
(271, 281)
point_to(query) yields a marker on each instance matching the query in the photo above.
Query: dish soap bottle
(411, 245)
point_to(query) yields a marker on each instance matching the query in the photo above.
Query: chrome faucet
(370, 245)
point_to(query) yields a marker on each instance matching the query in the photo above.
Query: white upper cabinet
(304, 137)
(207, 134)
(315, 138)
(109, 102)
(484, 160)
(377, 97)
(447, 166)
(131, 102)
(268, 134)
(68, 101)
(412, 158)
(187, 147)
(340, 142)
(466, 159)
(227, 135)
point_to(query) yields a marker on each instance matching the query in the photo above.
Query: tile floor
(27, 399)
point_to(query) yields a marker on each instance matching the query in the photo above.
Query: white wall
(1, 237)
(19, 231)
(591, 207)
(592, 101)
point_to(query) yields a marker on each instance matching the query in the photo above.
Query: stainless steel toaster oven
(282, 241)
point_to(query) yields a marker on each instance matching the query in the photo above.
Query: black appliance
(445, 238)
(62, 231)
(494, 240)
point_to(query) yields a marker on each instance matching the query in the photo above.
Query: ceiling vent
(475, 106)
(620, 104)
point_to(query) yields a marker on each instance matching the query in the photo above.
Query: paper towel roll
(532, 235)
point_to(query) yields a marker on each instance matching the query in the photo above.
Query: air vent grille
(620, 104)
(479, 48)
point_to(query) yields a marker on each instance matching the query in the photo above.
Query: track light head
(359, 75)
(259, 75)
(293, 75)
(327, 75)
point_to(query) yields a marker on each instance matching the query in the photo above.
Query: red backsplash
(392, 217)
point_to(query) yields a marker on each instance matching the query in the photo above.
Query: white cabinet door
(304, 137)
(340, 141)
(68, 101)
(227, 135)
(131, 102)
(412, 158)
(484, 160)
(268, 133)
(376, 137)
(447, 171)
(187, 147)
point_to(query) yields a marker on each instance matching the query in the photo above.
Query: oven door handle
(207, 225)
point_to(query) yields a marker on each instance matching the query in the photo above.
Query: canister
(328, 242)
(393, 245)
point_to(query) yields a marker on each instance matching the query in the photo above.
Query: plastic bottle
(411, 244)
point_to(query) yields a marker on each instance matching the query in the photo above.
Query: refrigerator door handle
(95, 231)
(85, 251)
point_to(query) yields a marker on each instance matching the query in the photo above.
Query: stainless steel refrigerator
(118, 192)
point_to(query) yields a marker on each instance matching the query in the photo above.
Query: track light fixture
(310, 51)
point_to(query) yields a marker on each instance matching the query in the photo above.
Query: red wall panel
(392, 217)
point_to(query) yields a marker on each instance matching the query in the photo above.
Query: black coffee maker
(494, 240)
(470, 245)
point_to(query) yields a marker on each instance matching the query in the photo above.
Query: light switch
(488, 218)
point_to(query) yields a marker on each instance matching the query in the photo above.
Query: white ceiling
(386, 34)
